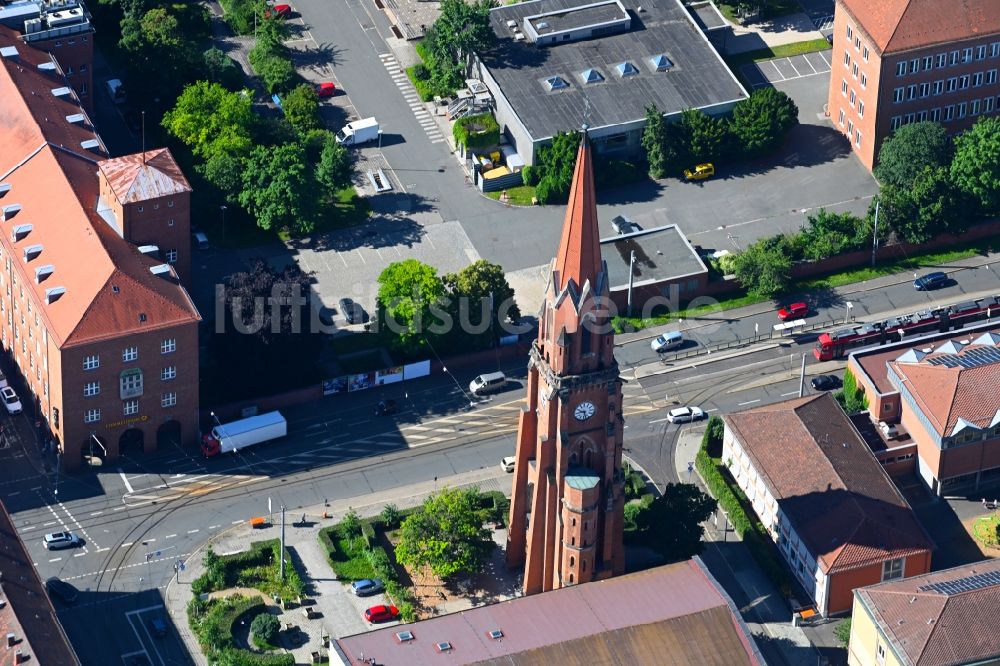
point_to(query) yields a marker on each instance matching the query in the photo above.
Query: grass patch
(986, 530)
(737, 60)
(914, 263)
(522, 195)
(348, 210)
(622, 324)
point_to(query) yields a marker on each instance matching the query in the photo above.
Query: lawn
(522, 195)
(985, 530)
(621, 324)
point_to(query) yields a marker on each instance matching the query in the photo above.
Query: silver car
(685, 414)
(60, 540)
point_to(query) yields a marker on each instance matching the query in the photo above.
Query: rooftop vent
(9, 211)
(20, 231)
(160, 270)
(76, 118)
(496, 634)
(661, 63)
(90, 144)
(53, 294)
(556, 83)
(443, 646)
(591, 76)
(142, 317)
(149, 249)
(519, 37)
(43, 272)
(8, 52)
(62, 92)
(4, 188)
(404, 636)
(512, 24)
(32, 251)
(47, 66)
(626, 69)
(115, 289)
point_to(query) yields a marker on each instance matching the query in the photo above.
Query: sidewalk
(332, 602)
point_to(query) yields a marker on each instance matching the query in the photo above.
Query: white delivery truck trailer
(357, 132)
(227, 437)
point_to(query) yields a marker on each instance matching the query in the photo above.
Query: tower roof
(579, 256)
(142, 176)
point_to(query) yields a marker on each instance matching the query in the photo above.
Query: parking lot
(769, 72)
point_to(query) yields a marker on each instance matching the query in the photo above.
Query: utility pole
(875, 233)
(802, 377)
(631, 279)
(282, 572)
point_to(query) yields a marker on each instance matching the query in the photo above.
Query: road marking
(96, 513)
(810, 65)
(237, 522)
(16, 492)
(79, 554)
(212, 527)
(29, 527)
(785, 395)
(170, 536)
(125, 480)
(792, 65)
(749, 402)
(120, 508)
(55, 559)
(193, 531)
(658, 421)
(151, 540)
(50, 523)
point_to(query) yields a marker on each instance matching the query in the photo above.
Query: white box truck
(357, 132)
(228, 437)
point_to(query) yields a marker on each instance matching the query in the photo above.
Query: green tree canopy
(760, 123)
(672, 523)
(928, 206)
(707, 137)
(976, 167)
(407, 291)
(447, 534)
(472, 287)
(266, 627)
(301, 107)
(461, 29)
(764, 268)
(552, 173)
(220, 68)
(827, 233)
(910, 149)
(278, 188)
(654, 139)
(333, 169)
(211, 120)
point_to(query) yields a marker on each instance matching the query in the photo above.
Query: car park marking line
(236, 522)
(792, 65)
(810, 65)
(145, 630)
(28, 528)
(96, 513)
(778, 71)
(213, 527)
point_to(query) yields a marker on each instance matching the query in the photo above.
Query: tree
(708, 137)
(333, 169)
(760, 122)
(672, 523)
(211, 120)
(764, 268)
(478, 289)
(220, 68)
(976, 167)
(407, 292)
(301, 107)
(909, 149)
(654, 140)
(447, 534)
(851, 397)
(224, 171)
(265, 628)
(278, 188)
(827, 234)
(928, 206)
(552, 173)
(389, 516)
(277, 73)
(461, 29)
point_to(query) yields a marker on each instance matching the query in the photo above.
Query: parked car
(61, 590)
(158, 626)
(60, 540)
(889, 431)
(685, 414)
(488, 383)
(10, 400)
(700, 172)
(381, 613)
(201, 240)
(793, 311)
(623, 225)
(366, 587)
(930, 281)
(667, 341)
(352, 311)
(326, 89)
(825, 382)
(507, 464)
(281, 11)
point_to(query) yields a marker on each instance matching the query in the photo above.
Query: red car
(793, 311)
(381, 613)
(325, 89)
(284, 11)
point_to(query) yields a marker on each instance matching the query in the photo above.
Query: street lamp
(223, 209)
(847, 317)
(380, 139)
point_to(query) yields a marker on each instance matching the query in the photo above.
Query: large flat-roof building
(560, 63)
(902, 61)
(93, 251)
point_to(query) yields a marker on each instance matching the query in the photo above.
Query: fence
(776, 332)
(367, 380)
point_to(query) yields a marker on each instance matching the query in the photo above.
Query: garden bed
(257, 568)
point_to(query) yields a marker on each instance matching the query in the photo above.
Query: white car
(507, 464)
(10, 400)
(667, 341)
(59, 540)
(685, 414)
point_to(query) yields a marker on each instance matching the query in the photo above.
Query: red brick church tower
(567, 504)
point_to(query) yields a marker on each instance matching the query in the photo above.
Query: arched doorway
(168, 435)
(131, 442)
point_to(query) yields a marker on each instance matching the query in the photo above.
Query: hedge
(257, 568)
(481, 131)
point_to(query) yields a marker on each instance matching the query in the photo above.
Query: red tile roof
(934, 627)
(827, 482)
(54, 180)
(902, 25)
(579, 256)
(143, 176)
(653, 617)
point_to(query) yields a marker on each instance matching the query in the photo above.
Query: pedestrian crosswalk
(424, 117)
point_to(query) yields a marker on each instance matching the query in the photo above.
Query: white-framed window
(914, 65)
(83, 89)
(170, 203)
(961, 109)
(864, 80)
(911, 91)
(977, 79)
(988, 105)
(857, 43)
(847, 58)
(928, 62)
(880, 652)
(168, 399)
(897, 95)
(967, 54)
(974, 107)
(91, 389)
(991, 77)
(168, 373)
(901, 68)
(953, 58)
(981, 52)
(840, 119)
(139, 208)
(130, 354)
(922, 116)
(852, 97)
(92, 416)
(861, 109)
(925, 89)
(854, 70)
(168, 346)
(949, 113)
(92, 362)
(963, 82)
(942, 59)
(857, 138)
(910, 117)
(895, 122)
(843, 87)
(892, 569)
(850, 33)
(131, 384)
(130, 407)
(995, 49)
(156, 206)
(938, 87)
(864, 53)
(170, 222)
(850, 129)
(83, 68)
(953, 84)
(171, 256)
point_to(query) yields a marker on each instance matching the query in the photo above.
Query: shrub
(635, 485)
(266, 627)
(239, 14)
(389, 517)
(406, 612)
(632, 511)
(711, 441)
(843, 632)
(851, 397)
(480, 131)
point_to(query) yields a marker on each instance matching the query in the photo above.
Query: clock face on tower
(584, 411)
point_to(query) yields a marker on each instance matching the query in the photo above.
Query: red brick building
(568, 500)
(94, 314)
(835, 515)
(902, 61)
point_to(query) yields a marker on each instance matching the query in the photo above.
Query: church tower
(566, 514)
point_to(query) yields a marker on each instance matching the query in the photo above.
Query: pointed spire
(579, 256)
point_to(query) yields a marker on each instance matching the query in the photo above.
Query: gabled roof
(143, 176)
(901, 25)
(930, 621)
(827, 482)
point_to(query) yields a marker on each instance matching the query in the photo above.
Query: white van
(667, 341)
(487, 383)
(117, 90)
